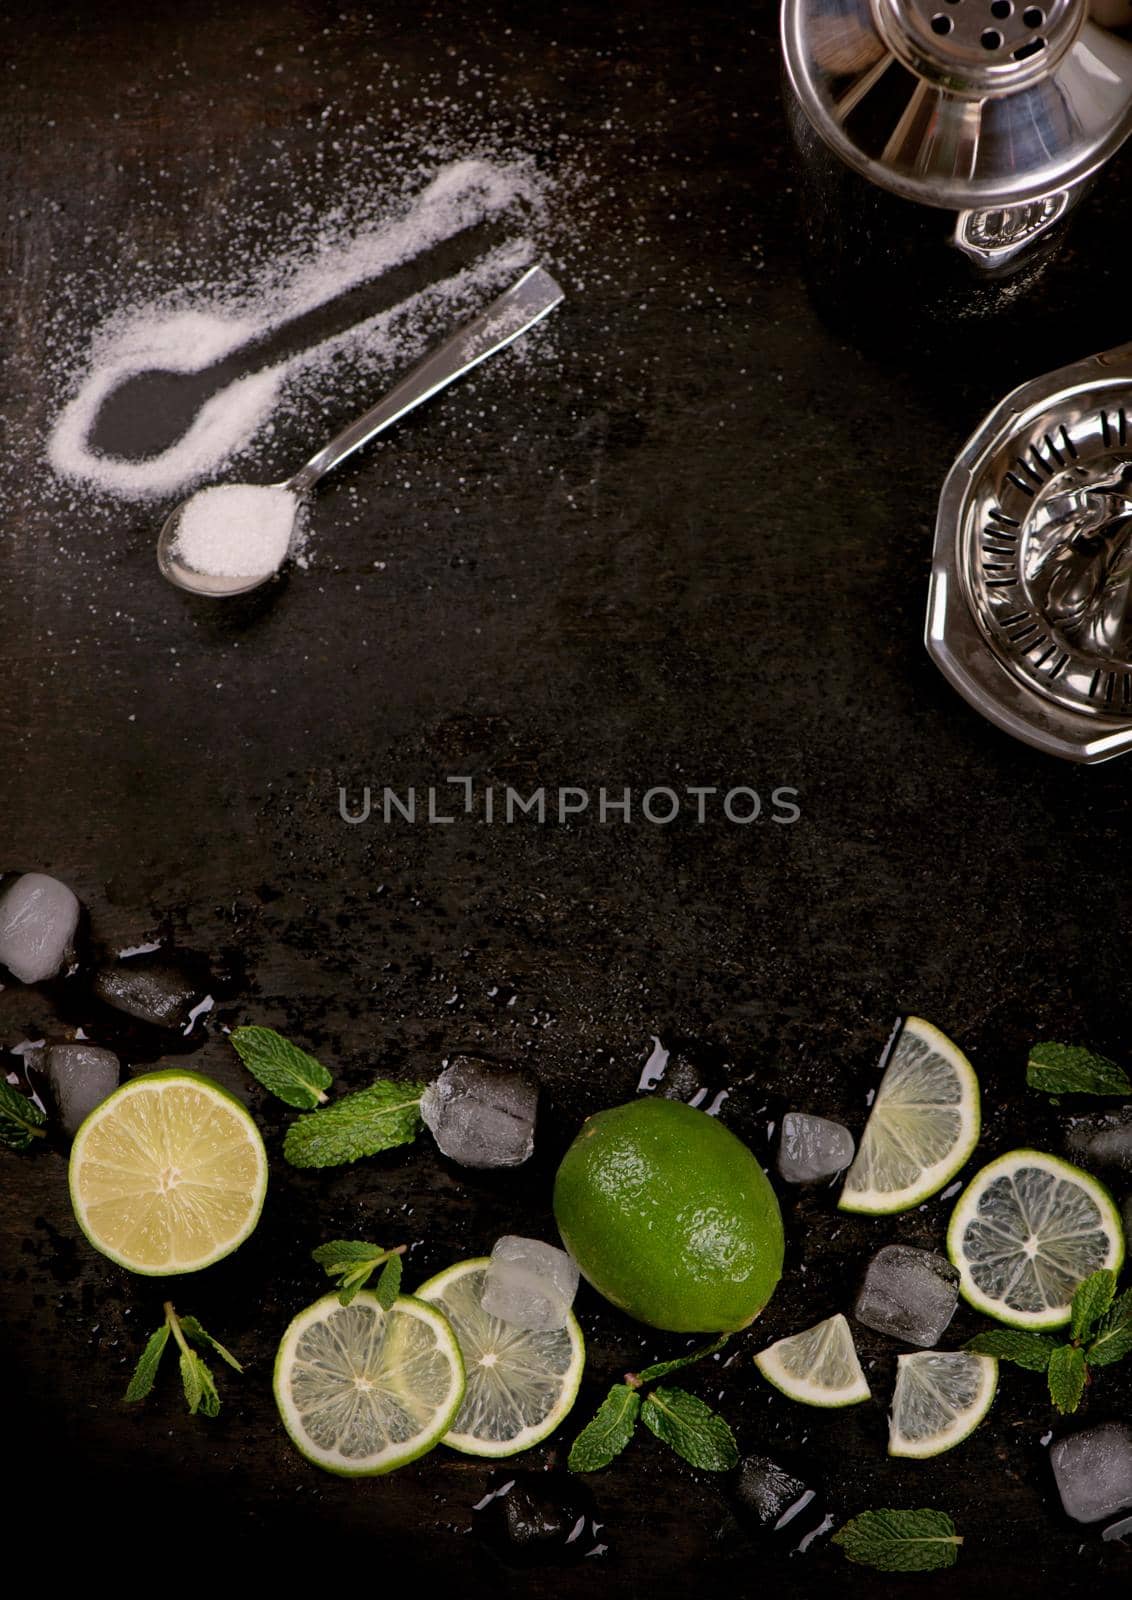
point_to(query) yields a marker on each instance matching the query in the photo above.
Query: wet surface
(692, 552)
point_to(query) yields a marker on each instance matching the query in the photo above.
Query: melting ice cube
(530, 1284)
(159, 995)
(80, 1077)
(811, 1148)
(1093, 1470)
(482, 1116)
(38, 919)
(1103, 1139)
(909, 1294)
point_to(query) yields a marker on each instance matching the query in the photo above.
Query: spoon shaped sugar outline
(504, 320)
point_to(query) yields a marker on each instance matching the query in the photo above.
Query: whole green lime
(670, 1217)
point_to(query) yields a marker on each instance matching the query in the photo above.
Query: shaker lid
(961, 103)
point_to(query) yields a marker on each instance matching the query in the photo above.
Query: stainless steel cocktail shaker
(949, 139)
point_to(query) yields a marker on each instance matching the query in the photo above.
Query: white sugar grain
(192, 335)
(236, 530)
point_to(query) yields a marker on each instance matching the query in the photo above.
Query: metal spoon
(516, 310)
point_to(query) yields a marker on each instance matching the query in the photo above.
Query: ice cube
(530, 1284)
(38, 920)
(80, 1077)
(811, 1148)
(909, 1294)
(160, 995)
(1093, 1470)
(771, 1500)
(482, 1116)
(539, 1517)
(767, 1492)
(1103, 1139)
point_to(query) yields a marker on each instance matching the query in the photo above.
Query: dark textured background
(694, 550)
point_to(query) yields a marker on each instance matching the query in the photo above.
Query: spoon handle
(516, 310)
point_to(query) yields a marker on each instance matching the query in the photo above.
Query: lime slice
(520, 1384)
(923, 1125)
(940, 1398)
(1026, 1231)
(818, 1367)
(168, 1174)
(361, 1390)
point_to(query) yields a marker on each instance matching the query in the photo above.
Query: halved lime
(361, 1390)
(923, 1125)
(818, 1367)
(520, 1384)
(1026, 1231)
(940, 1398)
(168, 1174)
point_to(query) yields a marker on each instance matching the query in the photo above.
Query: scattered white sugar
(236, 530)
(191, 332)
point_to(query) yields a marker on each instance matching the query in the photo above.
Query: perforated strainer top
(979, 46)
(966, 104)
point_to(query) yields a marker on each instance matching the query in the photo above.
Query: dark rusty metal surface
(695, 554)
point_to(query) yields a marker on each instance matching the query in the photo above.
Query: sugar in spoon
(516, 310)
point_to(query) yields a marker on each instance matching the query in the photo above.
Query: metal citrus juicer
(994, 117)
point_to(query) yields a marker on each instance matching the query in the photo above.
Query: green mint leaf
(692, 1429)
(1067, 1377)
(1071, 1069)
(209, 1399)
(900, 1541)
(362, 1124)
(191, 1379)
(291, 1075)
(353, 1262)
(199, 1385)
(608, 1431)
(21, 1120)
(1031, 1350)
(192, 1329)
(389, 1283)
(661, 1369)
(145, 1373)
(1113, 1339)
(1090, 1302)
(340, 1254)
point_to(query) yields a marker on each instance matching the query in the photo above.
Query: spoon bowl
(218, 585)
(508, 316)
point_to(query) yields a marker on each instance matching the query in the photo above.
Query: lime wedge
(520, 1384)
(818, 1367)
(940, 1398)
(923, 1125)
(361, 1390)
(1026, 1231)
(168, 1174)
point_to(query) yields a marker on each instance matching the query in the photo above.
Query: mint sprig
(196, 1376)
(289, 1073)
(684, 1422)
(353, 1263)
(1100, 1332)
(900, 1541)
(1071, 1069)
(362, 1124)
(21, 1120)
